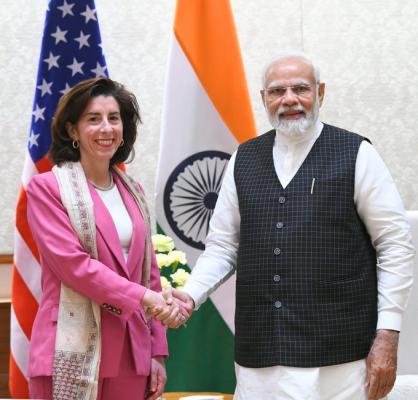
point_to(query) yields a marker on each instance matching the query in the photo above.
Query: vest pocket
(340, 282)
(343, 291)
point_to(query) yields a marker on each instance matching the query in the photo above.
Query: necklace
(105, 188)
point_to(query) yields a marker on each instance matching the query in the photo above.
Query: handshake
(172, 307)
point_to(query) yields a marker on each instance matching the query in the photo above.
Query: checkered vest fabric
(306, 269)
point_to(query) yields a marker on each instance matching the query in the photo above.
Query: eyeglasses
(277, 92)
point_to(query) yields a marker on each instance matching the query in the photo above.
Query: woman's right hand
(158, 307)
(164, 309)
(153, 299)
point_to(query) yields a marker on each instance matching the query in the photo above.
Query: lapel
(137, 228)
(106, 227)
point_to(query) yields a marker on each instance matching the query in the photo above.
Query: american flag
(71, 51)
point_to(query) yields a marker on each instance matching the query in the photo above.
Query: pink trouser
(121, 387)
(127, 386)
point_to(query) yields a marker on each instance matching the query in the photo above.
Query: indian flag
(207, 113)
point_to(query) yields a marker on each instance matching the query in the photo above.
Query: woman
(91, 338)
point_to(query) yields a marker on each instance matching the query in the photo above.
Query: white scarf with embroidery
(78, 339)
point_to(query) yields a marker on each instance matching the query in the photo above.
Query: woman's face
(99, 130)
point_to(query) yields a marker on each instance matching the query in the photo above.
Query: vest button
(276, 278)
(282, 199)
(279, 225)
(277, 251)
(277, 304)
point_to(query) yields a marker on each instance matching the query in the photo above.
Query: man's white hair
(289, 55)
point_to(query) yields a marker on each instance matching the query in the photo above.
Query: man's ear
(262, 93)
(321, 93)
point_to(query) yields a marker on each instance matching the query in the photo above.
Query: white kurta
(337, 382)
(380, 208)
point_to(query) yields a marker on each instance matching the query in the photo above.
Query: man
(310, 220)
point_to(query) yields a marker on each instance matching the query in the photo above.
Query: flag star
(66, 8)
(59, 35)
(66, 89)
(33, 139)
(83, 40)
(52, 61)
(38, 113)
(89, 14)
(99, 70)
(76, 67)
(45, 87)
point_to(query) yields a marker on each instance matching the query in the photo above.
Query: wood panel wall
(4, 348)
(5, 259)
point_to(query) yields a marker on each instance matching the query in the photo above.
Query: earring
(122, 143)
(76, 144)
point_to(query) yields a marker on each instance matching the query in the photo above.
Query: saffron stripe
(218, 64)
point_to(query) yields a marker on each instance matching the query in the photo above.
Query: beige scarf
(78, 341)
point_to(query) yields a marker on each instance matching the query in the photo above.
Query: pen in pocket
(313, 184)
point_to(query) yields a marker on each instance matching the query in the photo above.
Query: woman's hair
(72, 105)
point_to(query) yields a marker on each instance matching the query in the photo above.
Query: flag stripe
(19, 388)
(43, 165)
(218, 64)
(25, 305)
(19, 348)
(31, 270)
(22, 225)
(29, 171)
(213, 133)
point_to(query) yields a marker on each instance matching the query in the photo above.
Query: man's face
(292, 97)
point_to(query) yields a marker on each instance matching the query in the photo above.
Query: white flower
(180, 277)
(162, 243)
(165, 283)
(178, 256)
(168, 260)
(163, 260)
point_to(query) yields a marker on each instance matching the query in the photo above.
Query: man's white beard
(295, 128)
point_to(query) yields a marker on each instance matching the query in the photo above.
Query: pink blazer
(109, 281)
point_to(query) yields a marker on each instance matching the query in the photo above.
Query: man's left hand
(157, 379)
(381, 364)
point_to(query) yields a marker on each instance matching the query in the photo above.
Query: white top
(121, 218)
(378, 204)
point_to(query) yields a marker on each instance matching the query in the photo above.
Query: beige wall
(367, 51)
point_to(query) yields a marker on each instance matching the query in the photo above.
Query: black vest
(306, 270)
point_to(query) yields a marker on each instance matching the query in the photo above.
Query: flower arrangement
(169, 261)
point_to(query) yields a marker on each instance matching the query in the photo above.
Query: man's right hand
(185, 299)
(381, 364)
